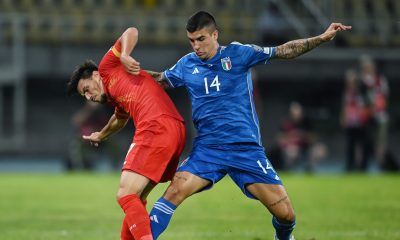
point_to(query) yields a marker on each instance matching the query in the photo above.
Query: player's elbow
(132, 31)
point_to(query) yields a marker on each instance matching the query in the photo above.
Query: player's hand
(131, 65)
(94, 138)
(332, 30)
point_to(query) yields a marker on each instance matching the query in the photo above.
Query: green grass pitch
(83, 206)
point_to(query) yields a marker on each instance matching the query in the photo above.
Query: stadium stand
(90, 21)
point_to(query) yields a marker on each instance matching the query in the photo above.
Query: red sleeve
(111, 58)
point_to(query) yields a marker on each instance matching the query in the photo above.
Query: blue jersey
(221, 92)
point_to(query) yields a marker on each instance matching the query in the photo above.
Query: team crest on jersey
(226, 63)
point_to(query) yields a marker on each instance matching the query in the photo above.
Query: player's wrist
(324, 37)
(124, 57)
(102, 136)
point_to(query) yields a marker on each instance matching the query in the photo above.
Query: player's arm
(160, 78)
(298, 47)
(114, 125)
(128, 42)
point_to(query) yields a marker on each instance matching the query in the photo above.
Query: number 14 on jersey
(215, 83)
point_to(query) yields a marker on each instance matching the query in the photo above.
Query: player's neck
(101, 85)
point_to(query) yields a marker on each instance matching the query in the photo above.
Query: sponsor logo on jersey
(195, 71)
(154, 218)
(226, 63)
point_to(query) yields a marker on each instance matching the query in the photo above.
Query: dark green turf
(83, 206)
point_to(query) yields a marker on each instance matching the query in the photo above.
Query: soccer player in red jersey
(160, 134)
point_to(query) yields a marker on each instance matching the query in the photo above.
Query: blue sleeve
(174, 75)
(253, 54)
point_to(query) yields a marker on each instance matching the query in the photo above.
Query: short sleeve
(111, 58)
(253, 54)
(174, 75)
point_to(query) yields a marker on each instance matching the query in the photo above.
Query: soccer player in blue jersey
(218, 79)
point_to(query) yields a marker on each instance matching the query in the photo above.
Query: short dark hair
(83, 71)
(200, 20)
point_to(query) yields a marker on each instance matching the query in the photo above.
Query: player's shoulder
(239, 45)
(109, 60)
(236, 44)
(234, 50)
(188, 58)
(237, 48)
(186, 61)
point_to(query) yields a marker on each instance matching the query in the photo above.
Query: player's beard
(103, 99)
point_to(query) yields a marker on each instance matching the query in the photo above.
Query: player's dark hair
(83, 71)
(200, 20)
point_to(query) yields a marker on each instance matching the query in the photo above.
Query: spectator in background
(354, 119)
(376, 90)
(81, 154)
(297, 142)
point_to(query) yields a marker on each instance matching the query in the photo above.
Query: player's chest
(216, 78)
(123, 92)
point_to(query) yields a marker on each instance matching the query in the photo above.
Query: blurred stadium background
(41, 41)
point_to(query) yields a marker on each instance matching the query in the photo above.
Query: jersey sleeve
(174, 75)
(111, 58)
(252, 54)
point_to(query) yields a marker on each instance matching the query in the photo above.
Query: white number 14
(214, 83)
(268, 166)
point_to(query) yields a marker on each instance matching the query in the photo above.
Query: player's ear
(95, 74)
(215, 34)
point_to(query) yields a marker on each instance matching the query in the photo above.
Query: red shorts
(156, 148)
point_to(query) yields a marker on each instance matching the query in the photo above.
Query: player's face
(204, 42)
(92, 89)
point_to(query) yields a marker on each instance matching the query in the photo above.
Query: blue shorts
(244, 163)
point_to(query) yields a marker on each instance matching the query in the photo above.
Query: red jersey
(136, 95)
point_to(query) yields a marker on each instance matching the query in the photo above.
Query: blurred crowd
(297, 146)
(364, 118)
